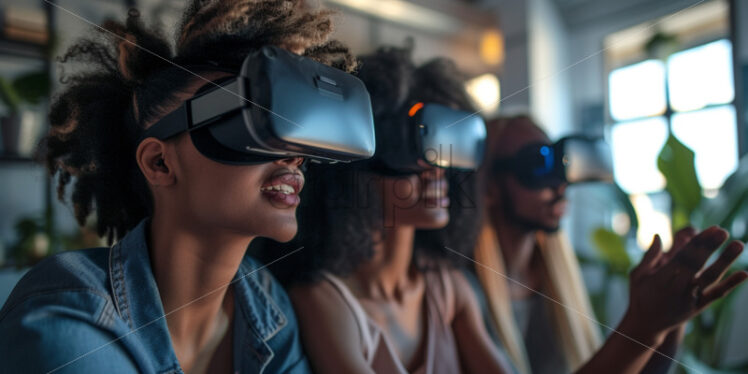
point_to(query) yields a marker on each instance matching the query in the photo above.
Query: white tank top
(440, 355)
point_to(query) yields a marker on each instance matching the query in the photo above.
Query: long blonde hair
(572, 312)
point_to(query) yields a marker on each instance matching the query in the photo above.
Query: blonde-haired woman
(577, 337)
(535, 298)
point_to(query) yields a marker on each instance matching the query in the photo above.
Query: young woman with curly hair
(376, 291)
(176, 292)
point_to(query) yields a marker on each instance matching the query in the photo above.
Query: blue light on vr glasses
(548, 161)
(573, 159)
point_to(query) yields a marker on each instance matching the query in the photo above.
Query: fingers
(653, 253)
(722, 288)
(716, 270)
(680, 240)
(699, 248)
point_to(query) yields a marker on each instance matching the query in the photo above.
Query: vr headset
(433, 134)
(573, 159)
(279, 105)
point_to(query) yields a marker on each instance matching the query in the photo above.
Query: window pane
(712, 135)
(637, 90)
(701, 76)
(636, 146)
(653, 213)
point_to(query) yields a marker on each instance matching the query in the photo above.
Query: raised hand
(668, 289)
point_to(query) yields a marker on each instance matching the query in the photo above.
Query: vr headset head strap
(198, 110)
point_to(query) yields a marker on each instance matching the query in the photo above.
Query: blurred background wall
(638, 72)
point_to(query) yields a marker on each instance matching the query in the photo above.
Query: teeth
(286, 189)
(282, 188)
(434, 191)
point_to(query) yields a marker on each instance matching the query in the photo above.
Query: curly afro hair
(130, 76)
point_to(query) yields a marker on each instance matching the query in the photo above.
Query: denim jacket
(99, 311)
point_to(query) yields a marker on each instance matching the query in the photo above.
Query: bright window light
(406, 13)
(635, 147)
(485, 90)
(637, 90)
(651, 221)
(712, 135)
(701, 76)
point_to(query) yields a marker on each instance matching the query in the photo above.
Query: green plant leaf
(625, 202)
(32, 87)
(662, 45)
(612, 247)
(730, 201)
(692, 365)
(676, 163)
(8, 95)
(25, 228)
(680, 218)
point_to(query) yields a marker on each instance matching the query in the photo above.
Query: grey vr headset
(434, 134)
(279, 105)
(573, 159)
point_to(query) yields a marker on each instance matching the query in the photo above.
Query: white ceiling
(583, 12)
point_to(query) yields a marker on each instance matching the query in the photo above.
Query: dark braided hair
(131, 78)
(341, 206)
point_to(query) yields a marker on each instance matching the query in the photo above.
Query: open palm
(669, 288)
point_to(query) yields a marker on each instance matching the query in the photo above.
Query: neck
(193, 267)
(388, 272)
(517, 244)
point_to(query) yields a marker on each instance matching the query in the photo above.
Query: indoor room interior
(664, 83)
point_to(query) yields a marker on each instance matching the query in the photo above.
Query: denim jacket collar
(138, 302)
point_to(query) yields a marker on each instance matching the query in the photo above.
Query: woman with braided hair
(176, 292)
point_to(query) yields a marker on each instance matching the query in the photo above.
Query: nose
(438, 172)
(433, 173)
(290, 161)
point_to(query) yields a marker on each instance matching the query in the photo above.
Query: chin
(284, 235)
(550, 228)
(437, 220)
(544, 224)
(282, 229)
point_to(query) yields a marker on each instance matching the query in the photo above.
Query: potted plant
(27, 89)
(33, 242)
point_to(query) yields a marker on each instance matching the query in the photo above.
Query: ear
(154, 163)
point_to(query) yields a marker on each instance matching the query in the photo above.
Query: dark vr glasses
(431, 133)
(573, 159)
(280, 105)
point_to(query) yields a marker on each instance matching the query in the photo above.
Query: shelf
(17, 159)
(21, 49)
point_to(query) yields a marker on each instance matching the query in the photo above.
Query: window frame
(669, 112)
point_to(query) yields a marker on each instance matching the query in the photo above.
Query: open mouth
(284, 188)
(434, 193)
